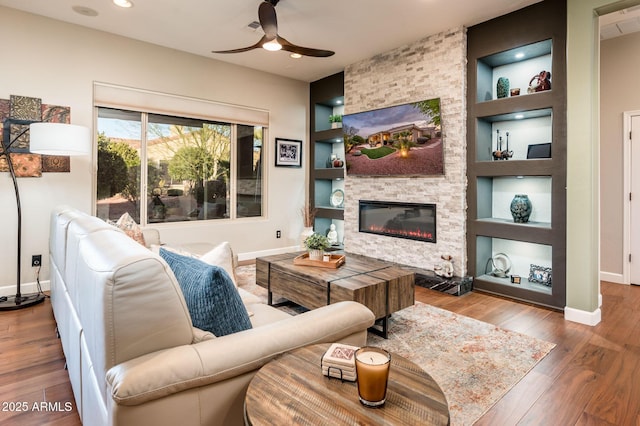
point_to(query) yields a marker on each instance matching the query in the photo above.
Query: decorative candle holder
(372, 368)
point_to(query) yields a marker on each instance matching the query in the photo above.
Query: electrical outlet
(36, 260)
(278, 234)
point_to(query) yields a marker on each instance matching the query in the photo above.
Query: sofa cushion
(222, 256)
(213, 301)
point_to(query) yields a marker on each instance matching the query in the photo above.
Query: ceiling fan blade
(304, 51)
(268, 20)
(269, 24)
(258, 45)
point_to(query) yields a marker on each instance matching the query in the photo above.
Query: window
(195, 169)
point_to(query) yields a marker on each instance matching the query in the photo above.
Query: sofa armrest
(169, 371)
(201, 335)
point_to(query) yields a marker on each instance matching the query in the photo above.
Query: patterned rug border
(474, 362)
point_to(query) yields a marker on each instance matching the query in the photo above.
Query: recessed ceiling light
(519, 55)
(295, 56)
(519, 116)
(339, 102)
(123, 3)
(85, 11)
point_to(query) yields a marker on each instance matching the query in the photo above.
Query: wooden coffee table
(292, 390)
(381, 286)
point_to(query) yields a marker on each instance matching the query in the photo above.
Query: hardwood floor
(590, 378)
(32, 370)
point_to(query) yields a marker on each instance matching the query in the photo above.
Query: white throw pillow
(156, 249)
(222, 256)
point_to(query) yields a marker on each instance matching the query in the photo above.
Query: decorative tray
(335, 261)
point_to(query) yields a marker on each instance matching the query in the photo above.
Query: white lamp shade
(59, 139)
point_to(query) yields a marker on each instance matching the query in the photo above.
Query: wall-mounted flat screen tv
(402, 140)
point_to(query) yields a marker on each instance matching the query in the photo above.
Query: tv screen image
(402, 140)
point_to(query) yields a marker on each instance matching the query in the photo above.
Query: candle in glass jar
(372, 367)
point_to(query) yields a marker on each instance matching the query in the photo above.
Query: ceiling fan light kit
(272, 41)
(123, 3)
(272, 46)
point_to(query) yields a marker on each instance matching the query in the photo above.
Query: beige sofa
(134, 357)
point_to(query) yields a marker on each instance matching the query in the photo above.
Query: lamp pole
(18, 301)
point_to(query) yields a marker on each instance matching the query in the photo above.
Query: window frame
(233, 166)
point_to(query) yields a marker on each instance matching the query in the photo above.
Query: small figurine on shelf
(332, 235)
(540, 82)
(500, 154)
(445, 269)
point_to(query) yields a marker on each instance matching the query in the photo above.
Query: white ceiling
(620, 23)
(354, 29)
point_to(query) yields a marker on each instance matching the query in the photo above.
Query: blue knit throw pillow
(213, 301)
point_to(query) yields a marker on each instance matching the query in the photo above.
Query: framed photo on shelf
(539, 150)
(540, 274)
(288, 153)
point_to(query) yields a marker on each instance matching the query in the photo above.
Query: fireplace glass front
(402, 220)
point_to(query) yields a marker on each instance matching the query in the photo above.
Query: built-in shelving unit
(326, 178)
(529, 129)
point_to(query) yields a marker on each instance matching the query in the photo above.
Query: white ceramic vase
(315, 254)
(307, 231)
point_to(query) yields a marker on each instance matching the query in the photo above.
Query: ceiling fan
(272, 40)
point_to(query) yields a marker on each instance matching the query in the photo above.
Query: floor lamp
(48, 139)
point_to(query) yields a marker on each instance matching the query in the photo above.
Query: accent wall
(434, 67)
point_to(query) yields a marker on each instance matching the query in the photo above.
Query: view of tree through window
(189, 174)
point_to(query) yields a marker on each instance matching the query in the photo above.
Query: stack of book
(340, 362)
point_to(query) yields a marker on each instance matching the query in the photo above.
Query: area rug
(475, 363)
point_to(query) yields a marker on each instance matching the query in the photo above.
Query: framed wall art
(288, 153)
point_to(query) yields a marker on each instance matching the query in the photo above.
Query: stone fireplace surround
(434, 67)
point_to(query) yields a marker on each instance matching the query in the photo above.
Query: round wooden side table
(291, 389)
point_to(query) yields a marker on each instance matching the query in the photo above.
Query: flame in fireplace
(417, 233)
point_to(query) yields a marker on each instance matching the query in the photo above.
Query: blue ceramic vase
(521, 208)
(502, 88)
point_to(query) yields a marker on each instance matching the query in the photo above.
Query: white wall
(619, 92)
(59, 62)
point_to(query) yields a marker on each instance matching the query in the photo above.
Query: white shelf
(535, 57)
(495, 195)
(524, 283)
(531, 224)
(523, 128)
(521, 255)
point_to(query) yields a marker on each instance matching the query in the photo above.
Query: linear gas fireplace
(402, 220)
